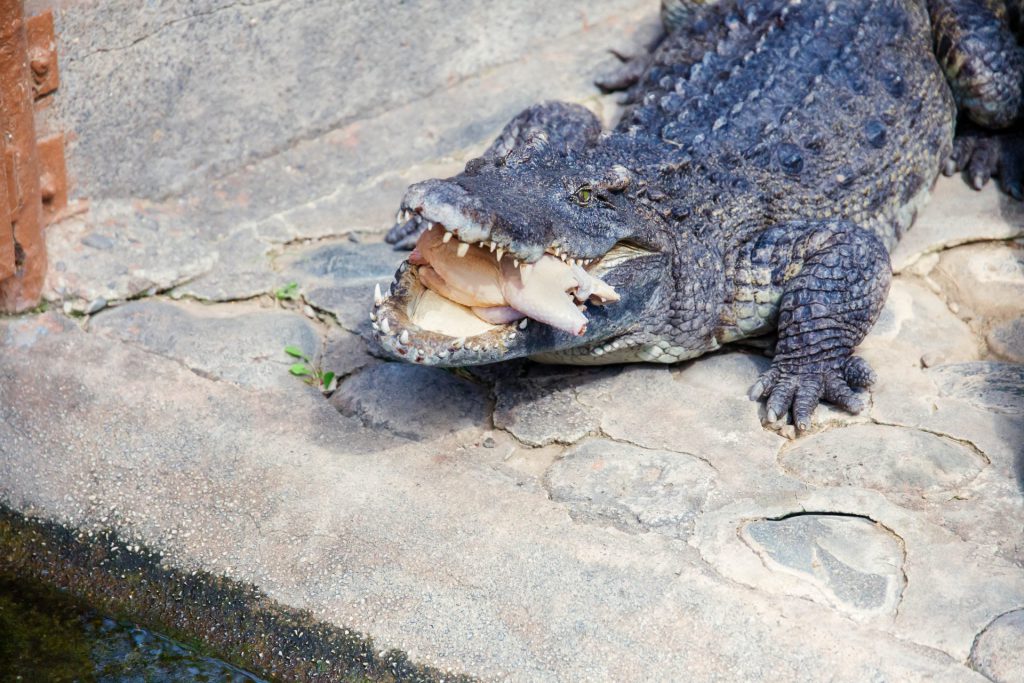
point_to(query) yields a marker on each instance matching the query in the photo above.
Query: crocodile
(770, 154)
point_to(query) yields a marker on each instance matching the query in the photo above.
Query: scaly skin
(772, 154)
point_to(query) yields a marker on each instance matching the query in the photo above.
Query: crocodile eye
(582, 196)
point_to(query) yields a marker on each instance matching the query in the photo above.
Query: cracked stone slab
(986, 385)
(633, 489)
(345, 353)
(905, 464)
(699, 407)
(418, 545)
(269, 98)
(239, 343)
(413, 402)
(243, 270)
(1007, 340)
(854, 563)
(958, 214)
(998, 653)
(938, 568)
(339, 277)
(983, 282)
(542, 410)
(120, 250)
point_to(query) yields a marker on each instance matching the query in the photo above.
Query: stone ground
(523, 521)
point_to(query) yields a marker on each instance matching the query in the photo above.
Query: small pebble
(489, 442)
(96, 305)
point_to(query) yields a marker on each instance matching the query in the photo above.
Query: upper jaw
(443, 203)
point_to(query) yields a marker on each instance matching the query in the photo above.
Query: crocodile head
(539, 251)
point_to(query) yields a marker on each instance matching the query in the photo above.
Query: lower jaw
(406, 322)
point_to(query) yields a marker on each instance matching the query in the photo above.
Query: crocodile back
(812, 109)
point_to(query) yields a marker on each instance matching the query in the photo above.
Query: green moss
(42, 639)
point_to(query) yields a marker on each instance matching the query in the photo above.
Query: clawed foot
(791, 386)
(982, 155)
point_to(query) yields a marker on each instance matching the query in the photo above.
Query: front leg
(833, 277)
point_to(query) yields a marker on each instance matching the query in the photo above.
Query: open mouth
(459, 302)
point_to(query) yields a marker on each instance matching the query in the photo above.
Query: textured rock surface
(855, 564)
(542, 410)
(1007, 340)
(516, 522)
(907, 464)
(412, 402)
(631, 488)
(997, 652)
(243, 344)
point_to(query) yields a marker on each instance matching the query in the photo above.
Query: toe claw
(800, 388)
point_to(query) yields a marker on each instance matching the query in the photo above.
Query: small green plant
(287, 292)
(310, 372)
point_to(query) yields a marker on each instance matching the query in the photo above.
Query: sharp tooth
(400, 216)
(384, 326)
(494, 245)
(443, 353)
(375, 326)
(404, 337)
(515, 262)
(447, 237)
(462, 250)
(523, 324)
(430, 225)
(563, 257)
(378, 299)
(501, 252)
(457, 344)
(373, 316)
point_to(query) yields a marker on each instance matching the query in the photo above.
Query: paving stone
(413, 402)
(995, 387)
(983, 282)
(957, 214)
(633, 489)
(699, 407)
(903, 463)
(542, 410)
(150, 250)
(243, 344)
(1007, 340)
(998, 653)
(345, 353)
(266, 99)
(339, 277)
(854, 562)
(412, 544)
(242, 270)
